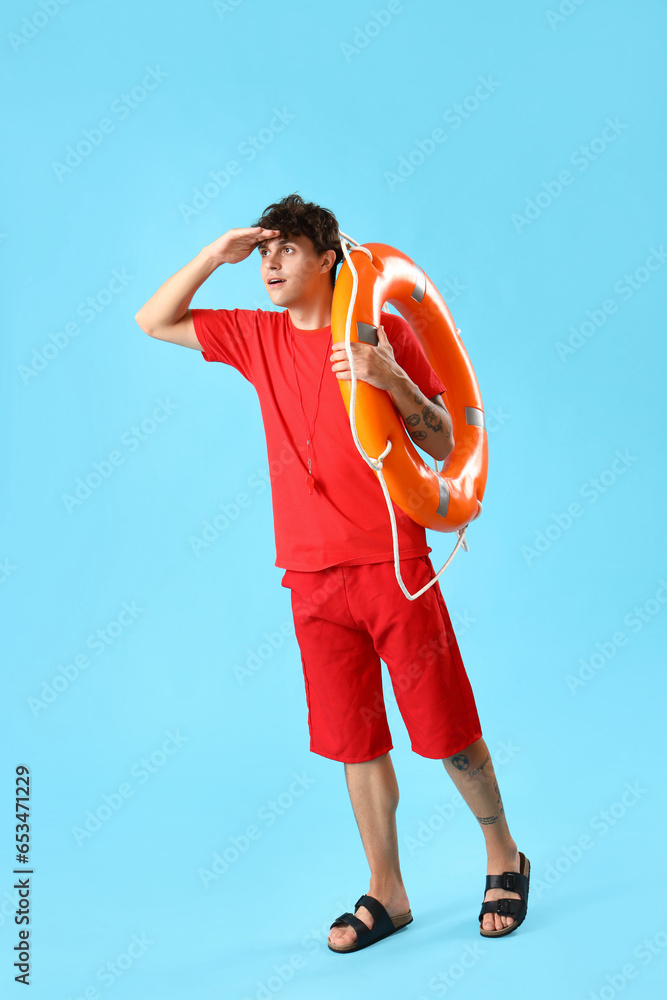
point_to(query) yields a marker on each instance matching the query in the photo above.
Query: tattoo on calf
(481, 766)
(460, 761)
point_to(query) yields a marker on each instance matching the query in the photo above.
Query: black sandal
(383, 925)
(508, 907)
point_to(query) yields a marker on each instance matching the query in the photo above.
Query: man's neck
(312, 315)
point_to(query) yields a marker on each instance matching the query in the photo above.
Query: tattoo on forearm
(432, 415)
(417, 435)
(486, 820)
(432, 418)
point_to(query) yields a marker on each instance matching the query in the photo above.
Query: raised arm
(167, 315)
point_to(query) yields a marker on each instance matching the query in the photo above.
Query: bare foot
(496, 865)
(395, 903)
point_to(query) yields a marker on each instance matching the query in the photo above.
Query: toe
(341, 937)
(345, 936)
(348, 937)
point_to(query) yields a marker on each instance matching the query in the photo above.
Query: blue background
(571, 712)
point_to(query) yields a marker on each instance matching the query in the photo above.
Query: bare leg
(373, 793)
(472, 772)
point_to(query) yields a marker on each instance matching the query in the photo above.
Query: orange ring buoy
(446, 500)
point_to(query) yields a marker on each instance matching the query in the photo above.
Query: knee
(473, 748)
(379, 759)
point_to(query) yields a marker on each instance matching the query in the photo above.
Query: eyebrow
(263, 243)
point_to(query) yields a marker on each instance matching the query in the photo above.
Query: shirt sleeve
(410, 355)
(228, 335)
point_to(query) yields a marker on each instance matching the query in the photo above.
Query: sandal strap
(382, 922)
(506, 907)
(512, 881)
(349, 918)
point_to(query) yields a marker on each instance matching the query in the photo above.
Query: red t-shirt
(345, 520)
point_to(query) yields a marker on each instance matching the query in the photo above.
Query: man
(333, 539)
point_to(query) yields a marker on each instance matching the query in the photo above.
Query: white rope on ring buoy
(376, 463)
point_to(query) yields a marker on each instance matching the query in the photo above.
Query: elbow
(449, 448)
(142, 323)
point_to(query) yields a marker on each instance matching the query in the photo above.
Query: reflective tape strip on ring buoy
(450, 499)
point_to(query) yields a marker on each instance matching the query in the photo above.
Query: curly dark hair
(295, 217)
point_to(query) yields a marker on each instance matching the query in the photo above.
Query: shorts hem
(354, 760)
(449, 753)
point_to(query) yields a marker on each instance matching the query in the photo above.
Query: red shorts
(348, 618)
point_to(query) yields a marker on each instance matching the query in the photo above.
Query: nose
(271, 268)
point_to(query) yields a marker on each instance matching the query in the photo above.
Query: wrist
(399, 383)
(209, 259)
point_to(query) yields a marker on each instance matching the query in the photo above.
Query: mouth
(276, 281)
